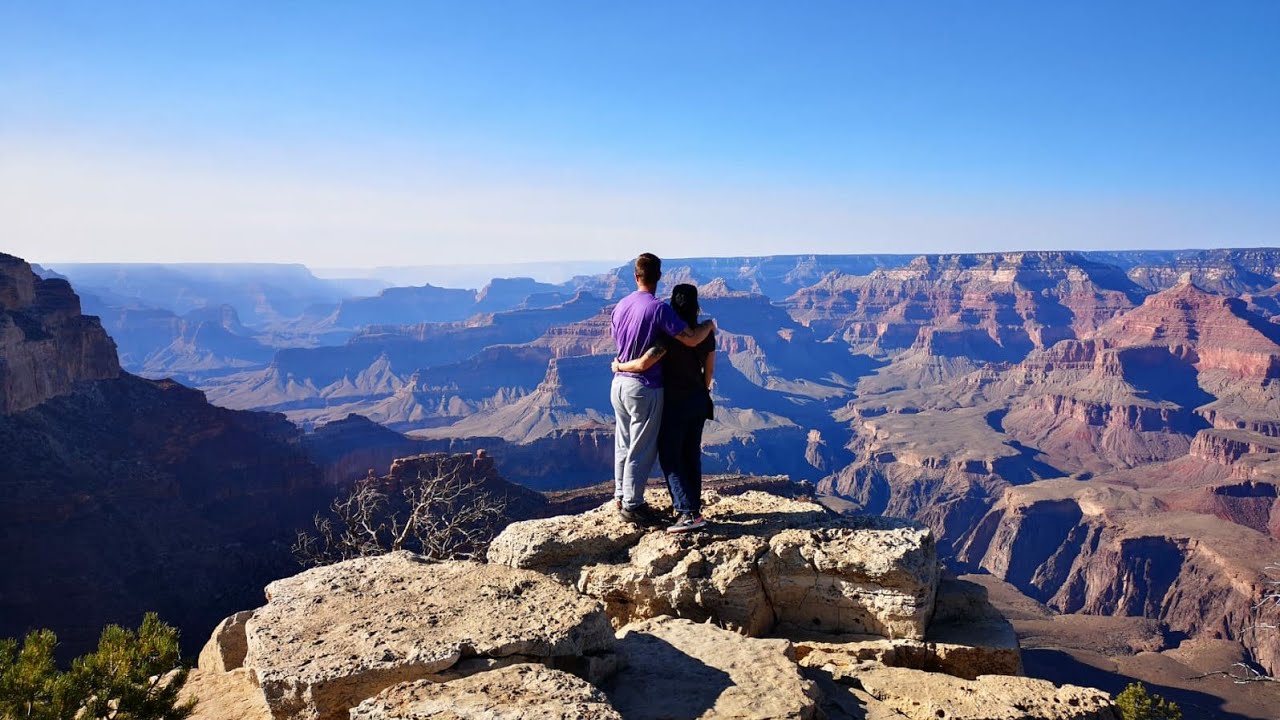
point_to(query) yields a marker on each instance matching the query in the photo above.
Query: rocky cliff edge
(779, 610)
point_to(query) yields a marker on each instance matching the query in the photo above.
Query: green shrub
(131, 676)
(1135, 703)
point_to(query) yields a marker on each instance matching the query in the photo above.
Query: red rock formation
(1227, 447)
(1227, 270)
(1105, 550)
(1211, 332)
(1019, 300)
(1251, 504)
(1085, 434)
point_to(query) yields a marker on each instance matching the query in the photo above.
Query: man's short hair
(648, 268)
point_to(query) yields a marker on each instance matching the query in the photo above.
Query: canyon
(1098, 431)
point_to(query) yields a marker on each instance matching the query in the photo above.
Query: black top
(682, 366)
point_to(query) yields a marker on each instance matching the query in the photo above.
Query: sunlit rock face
(46, 344)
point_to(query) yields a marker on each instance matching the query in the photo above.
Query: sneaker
(640, 515)
(687, 522)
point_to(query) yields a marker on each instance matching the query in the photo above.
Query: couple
(661, 397)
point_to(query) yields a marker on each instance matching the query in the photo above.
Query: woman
(686, 379)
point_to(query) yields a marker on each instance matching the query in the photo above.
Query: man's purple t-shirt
(639, 322)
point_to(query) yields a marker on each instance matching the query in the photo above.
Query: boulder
(677, 668)
(920, 695)
(764, 559)
(227, 645)
(517, 692)
(565, 542)
(334, 636)
(862, 575)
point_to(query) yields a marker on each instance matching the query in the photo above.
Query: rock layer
(334, 636)
(1103, 550)
(517, 692)
(764, 561)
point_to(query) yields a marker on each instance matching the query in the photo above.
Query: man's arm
(693, 336)
(709, 369)
(642, 363)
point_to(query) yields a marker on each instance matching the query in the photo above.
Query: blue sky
(354, 134)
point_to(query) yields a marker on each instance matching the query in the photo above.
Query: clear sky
(382, 133)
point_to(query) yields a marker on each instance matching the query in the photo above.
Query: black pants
(680, 450)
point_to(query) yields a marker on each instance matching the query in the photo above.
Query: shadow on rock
(663, 681)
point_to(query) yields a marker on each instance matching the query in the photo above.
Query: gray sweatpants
(637, 414)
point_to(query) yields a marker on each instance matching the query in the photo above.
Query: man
(640, 322)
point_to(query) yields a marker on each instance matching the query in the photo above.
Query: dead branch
(443, 517)
(1240, 673)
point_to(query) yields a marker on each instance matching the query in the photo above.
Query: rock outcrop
(335, 636)
(516, 692)
(770, 561)
(227, 646)
(397, 638)
(682, 669)
(920, 696)
(46, 346)
(225, 695)
(967, 638)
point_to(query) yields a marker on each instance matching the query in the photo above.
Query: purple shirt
(640, 321)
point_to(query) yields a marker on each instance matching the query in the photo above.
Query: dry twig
(443, 517)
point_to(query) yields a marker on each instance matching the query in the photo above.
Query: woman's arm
(709, 369)
(642, 363)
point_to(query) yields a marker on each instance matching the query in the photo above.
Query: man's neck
(651, 289)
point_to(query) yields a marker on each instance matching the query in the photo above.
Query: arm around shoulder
(642, 363)
(693, 336)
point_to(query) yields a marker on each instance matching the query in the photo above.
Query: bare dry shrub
(447, 516)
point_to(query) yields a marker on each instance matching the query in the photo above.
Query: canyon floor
(1111, 652)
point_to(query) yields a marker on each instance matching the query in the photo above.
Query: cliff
(47, 346)
(131, 495)
(124, 495)
(1010, 302)
(1102, 549)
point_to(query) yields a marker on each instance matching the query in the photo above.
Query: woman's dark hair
(684, 300)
